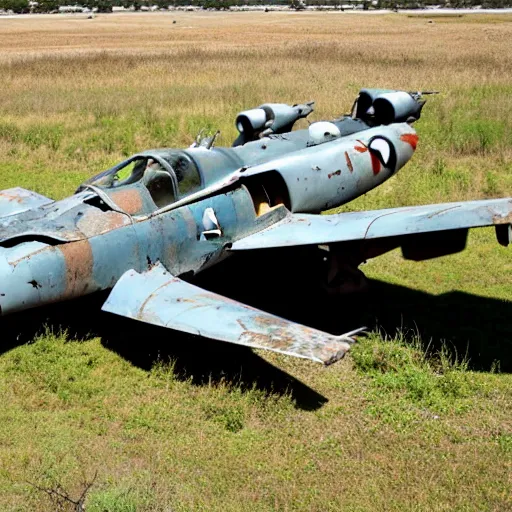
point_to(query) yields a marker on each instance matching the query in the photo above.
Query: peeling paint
(79, 266)
(170, 302)
(95, 222)
(11, 197)
(498, 219)
(16, 200)
(129, 200)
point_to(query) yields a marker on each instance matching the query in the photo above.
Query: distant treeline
(49, 6)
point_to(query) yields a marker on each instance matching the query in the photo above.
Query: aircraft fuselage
(73, 247)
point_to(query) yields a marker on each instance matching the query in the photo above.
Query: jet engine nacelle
(269, 118)
(382, 106)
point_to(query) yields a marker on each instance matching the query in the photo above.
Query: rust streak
(141, 314)
(15, 263)
(349, 162)
(410, 138)
(128, 200)
(375, 220)
(97, 222)
(498, 219)
(440, 212)
(79, 266)
(265, 321)
(12, 197)
(188, 301)
(114, 221)
(263, 340)
(241, 324)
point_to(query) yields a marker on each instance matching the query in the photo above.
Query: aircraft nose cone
(405, 142)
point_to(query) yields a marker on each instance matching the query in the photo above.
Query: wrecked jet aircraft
(161, 216)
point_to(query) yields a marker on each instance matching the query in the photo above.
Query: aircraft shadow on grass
(478, 328)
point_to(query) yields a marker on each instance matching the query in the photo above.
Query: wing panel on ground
(305, 229)
(157, 297)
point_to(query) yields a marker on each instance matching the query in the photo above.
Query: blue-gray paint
(111, 233)
(17, 200)
(157, 297)
(303, 229)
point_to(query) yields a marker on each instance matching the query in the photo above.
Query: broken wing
(157, 297)
(17, 200)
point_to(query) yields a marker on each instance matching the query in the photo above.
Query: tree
(16, 6)
(298, 5)
(99, 5)
(47, 6)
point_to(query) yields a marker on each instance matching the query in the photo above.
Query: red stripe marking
(349, 162)
(410, 138)
(375, 164)
(362, 148)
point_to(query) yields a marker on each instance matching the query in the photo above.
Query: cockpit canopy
(158, 177)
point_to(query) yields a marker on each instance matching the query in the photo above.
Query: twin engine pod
(269, 118)
(374, 107)
(382, 106)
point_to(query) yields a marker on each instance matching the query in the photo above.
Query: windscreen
(126, 173)
(167, 177)
(187, 174)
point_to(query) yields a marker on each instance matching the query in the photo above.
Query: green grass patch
(157, 441)
(401, 423)
(401, 367)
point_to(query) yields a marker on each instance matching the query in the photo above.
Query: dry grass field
(418, 417)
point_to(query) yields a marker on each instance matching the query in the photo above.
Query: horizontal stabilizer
(305, 229)
(17, 200)
(156, 297)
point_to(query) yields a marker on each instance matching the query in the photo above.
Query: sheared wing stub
(17, 200)
(158, 298)
(304, 229)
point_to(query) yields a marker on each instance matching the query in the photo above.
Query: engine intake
(383, 106)
(269, 118)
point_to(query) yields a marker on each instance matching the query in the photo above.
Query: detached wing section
(17, 200)
(304, 229)
(156, 297)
